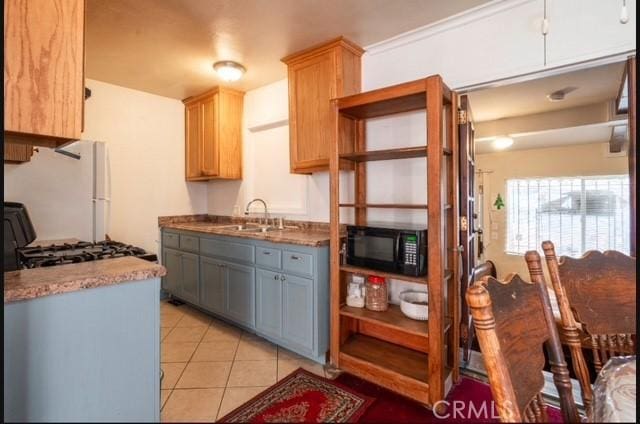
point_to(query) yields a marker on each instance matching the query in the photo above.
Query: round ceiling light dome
(229, 70)
(501, 143)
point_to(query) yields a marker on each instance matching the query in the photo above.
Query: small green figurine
(499, 203)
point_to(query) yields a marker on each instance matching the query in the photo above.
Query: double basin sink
(253, 228)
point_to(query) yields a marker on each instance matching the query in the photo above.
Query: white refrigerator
(66, 194)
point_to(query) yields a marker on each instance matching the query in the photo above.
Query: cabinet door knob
(294, 257)
(264, 252)
(275, 277)
(282, 278)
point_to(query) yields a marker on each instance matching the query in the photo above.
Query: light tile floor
(211, 367)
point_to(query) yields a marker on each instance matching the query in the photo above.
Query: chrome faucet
(266, 212)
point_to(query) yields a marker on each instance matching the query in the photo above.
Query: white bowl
(410, 309)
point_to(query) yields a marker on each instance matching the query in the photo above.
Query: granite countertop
(38, 282)
(312, 234)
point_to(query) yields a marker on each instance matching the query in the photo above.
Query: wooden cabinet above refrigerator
(43, 71)
(213, 135)
(317, 75)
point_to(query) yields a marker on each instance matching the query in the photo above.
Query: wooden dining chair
(467, 334)
(513, 323)
(596, 295)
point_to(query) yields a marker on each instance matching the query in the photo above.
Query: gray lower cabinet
(171, 260)
(190, 277)
(269, 302)
(297, 310)
(241, 293)
(182, 274)
(280, 291)
(212, 285)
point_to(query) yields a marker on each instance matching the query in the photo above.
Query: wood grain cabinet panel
(43, 71)
(213, 135)
(17, 152)
(316, 76)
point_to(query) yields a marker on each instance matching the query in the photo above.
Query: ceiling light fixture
(229, 70)
(501, 143)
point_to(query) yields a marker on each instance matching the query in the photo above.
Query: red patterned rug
(306, 397)
(302, 397)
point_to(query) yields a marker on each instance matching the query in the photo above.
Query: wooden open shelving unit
(418, 359)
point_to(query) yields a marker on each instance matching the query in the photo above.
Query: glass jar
(355, 291)
(376, 294)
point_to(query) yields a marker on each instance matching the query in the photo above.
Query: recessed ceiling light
(502, 143)
(229, 70)
(559, 95)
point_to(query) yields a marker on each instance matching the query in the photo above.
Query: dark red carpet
(466, 398)
(306, 397)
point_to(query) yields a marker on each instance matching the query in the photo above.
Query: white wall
(145, 136)
(568, 161)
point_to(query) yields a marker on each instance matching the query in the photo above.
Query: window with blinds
(577, 214)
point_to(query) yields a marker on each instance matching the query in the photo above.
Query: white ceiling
(167, 47)
(586, 134)
(594, 85)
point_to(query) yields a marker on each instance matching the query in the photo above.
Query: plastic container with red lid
(376, 293)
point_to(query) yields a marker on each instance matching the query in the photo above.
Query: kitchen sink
(249, 228)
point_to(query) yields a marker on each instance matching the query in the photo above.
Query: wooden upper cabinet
(43, 71)
(213, 135)
(317, 75)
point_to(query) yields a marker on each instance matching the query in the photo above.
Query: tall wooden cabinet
(317, 75)
(213, 135)
(416, 359)
(43, 71)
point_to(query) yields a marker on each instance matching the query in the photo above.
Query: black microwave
(388, 247)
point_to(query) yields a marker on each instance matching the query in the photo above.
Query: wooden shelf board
(391, 318)
(420, 280)
(366, 271)
(387, 154)
(383, 205)
(399, 98)
(389, 356)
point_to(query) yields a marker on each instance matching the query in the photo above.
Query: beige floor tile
(172, 372)
(221, 332)
(186, 334)
(166, 307)
(170, 319)
(163, 332)
(215, 351)
(236, 396)
(287, 366)
(194, 318)
(199, 375)
(253, 373)
(192, 405)
(252, 348)
(287, 354)
(177, 352)
(164, 395)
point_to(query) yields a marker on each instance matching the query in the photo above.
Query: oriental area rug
(304, 397)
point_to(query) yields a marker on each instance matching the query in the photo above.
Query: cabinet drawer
(271, 258)
(189, 243)
(170, 240)
(299, 263)
(228, 249)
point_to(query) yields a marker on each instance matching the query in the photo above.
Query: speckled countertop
(305, 233)
(38, 282)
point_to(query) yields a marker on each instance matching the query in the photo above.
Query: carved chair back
(597, 291)
(513, 323)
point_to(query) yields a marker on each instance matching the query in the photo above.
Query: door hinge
(462, 116)
(463, 223)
